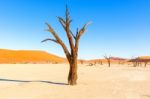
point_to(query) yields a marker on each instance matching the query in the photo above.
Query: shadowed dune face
(24, 56)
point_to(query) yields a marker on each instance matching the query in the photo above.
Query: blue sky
(119, 27)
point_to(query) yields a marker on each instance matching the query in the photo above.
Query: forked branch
(82, 31)
(79, 34)
(59, 41)
(69, 36)
(63, 23)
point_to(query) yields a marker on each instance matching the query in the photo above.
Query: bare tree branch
(68, 32)
(82, 30)
(63, 23)
(50, 29)
(79, 34)
(72, 35)
(49, 39)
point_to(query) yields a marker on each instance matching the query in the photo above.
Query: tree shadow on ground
(43, 81)
(146, 96)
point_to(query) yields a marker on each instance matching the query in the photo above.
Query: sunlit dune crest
(28, 56)
(144, 57)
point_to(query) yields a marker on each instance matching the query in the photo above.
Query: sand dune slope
(49, 82)
(27, 56)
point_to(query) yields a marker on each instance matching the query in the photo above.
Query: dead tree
(71, 55)
(136, 61)
(82, 61)
(95, 62)
(108, 58)
(145, 61)
(100, 62)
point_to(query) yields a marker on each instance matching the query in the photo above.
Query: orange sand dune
(35, 56)
(28, 56)
(145, 57)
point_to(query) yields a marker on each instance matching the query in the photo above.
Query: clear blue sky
(119, 27)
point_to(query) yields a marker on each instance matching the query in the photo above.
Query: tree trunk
(72, 77)
(145, 64)
(108, 62)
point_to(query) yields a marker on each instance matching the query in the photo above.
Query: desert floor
(97, 82)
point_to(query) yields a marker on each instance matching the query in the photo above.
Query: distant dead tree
(95, 62)
(71, 55)
(145, 61)
(135, 61)
(100, 62)
(138, 61)
(82, 61)
(108, 58)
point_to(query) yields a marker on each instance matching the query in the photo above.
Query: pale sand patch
(97, 82)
